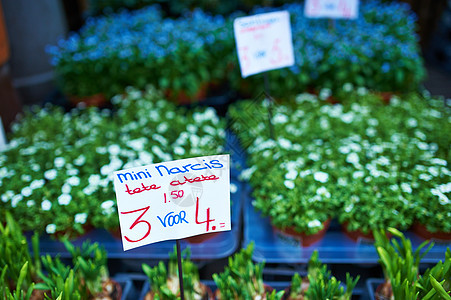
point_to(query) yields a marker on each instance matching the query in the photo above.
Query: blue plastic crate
(222, 245)
(335, 247)
(371, 285)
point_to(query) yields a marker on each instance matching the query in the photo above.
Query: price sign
(263, 42)
(335, 9)
(173, 200)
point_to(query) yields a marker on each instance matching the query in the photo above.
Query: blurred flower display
(57, 173)
(369, 164)
(186, 56)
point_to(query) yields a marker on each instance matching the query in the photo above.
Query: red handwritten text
(141, 189)
(195, 179)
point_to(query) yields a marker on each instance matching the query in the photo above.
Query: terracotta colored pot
(182, 98)
(197, 239)
(97, 100)
(116, 233)
(208, 294)
(305, 239)
(357, 235)
(422, 231)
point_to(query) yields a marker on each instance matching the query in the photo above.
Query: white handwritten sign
(335, 9)
(263, 42)
(173, 200)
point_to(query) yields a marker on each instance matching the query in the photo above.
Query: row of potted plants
(366, 163)
(195, 54)
(56, 175)
(27, 275)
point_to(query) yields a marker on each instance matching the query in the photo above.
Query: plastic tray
(126, 285)
(220, 246)
(371, 285)
(335, 247)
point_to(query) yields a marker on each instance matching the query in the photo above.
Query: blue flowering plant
(378, 50)
(139, 48)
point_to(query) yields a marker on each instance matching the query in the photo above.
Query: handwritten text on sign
(346, 9)
(173, 200)
(263, 42)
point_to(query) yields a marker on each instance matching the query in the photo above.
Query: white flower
(50, 228)
(347, 87)
(314, 223)
(433, 171)
(352, 158)
(406, 188)
(358, 174)
(137, 144)
(59, 162)
(425, 177)
(291, 175)
(373, 122)
(26, 191)
(439, 161)
(80, 160)
(25, 177)
(81, 218)
(361, 91)
(73, 181)
(342, 181)
(349, 207)
(107, 204)
(36, 184)
(321, 176)
(347, 117)
(46, 205)
(314, 156)
(247, 173)
(305, 173)
(325, 93)
(289, 184)
(162, 127)
(370, 131)
(30, 203)
(72, 172)
(322, 191)
(114, 149)
(233, 188)
(179, 150)
(64, 199)
(16, 199)
(443, 199)
(94, 179)
(411, 122)
(66, 188)
(284, 143)
(344, 149)
(50, 174)
(280, 118)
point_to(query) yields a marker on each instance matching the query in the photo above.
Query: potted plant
(164, 282)
(242, 279)
(400, 264)
(19, 268)
(319, 283)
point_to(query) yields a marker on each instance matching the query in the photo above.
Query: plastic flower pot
(422, 231)
(306, 240)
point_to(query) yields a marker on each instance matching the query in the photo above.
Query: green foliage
(320, 284)
(400, 264)
(164, 282)
(241, 278)
(369, 164)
